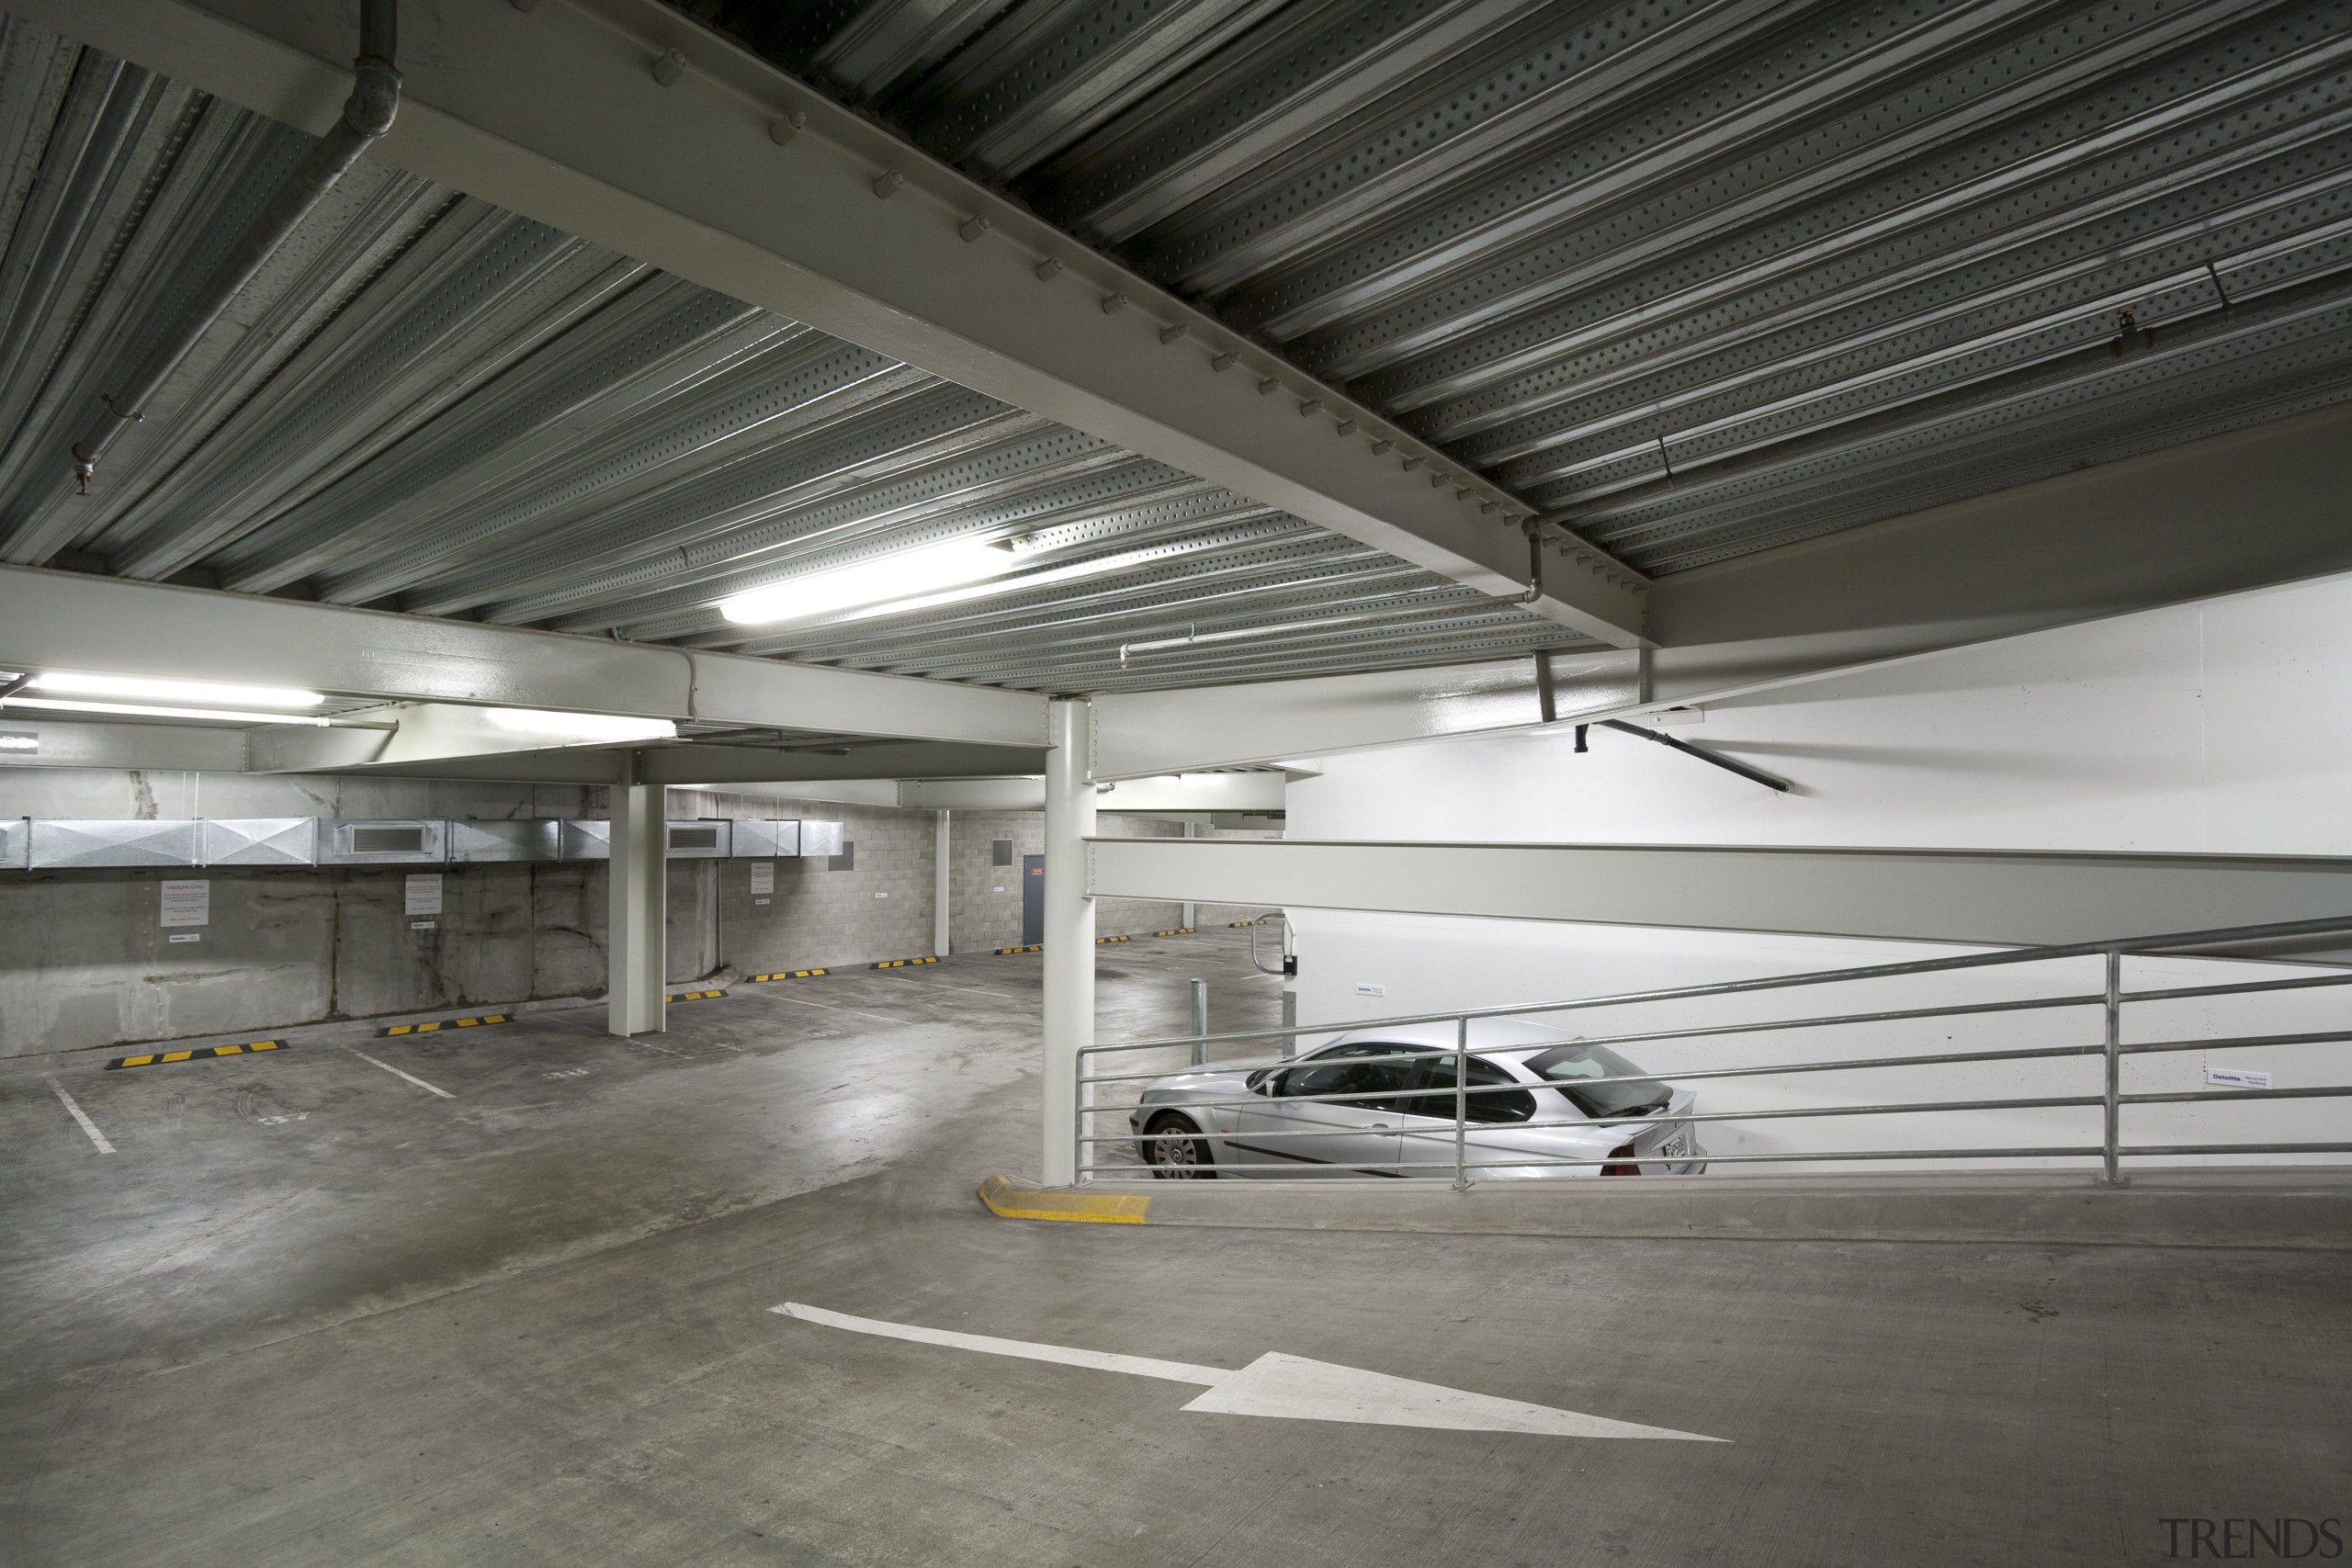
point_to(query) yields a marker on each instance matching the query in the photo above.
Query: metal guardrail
(2110, 1049)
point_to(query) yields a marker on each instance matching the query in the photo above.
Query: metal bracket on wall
(1753, 775)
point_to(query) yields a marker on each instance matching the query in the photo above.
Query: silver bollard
(1199, 1020)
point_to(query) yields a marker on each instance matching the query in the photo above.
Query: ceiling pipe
(367, 115)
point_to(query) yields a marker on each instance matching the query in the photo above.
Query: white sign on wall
(188, 904)
(425, 893)
(763, 877)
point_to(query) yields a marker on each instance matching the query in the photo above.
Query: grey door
(1344, 1138)
(1032, 899)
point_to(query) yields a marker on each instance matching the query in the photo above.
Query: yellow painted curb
(1012, 1199)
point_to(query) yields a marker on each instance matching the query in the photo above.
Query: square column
(941, 933)
(1069, 927)
(636, 938)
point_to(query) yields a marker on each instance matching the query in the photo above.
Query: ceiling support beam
(555, 112)
(63, 620)
(2004, 898)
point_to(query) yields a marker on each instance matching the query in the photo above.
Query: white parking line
(396, 1072)
(828, 1007)
(82, 1116)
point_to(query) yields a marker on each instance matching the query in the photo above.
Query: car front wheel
(1174, 1149)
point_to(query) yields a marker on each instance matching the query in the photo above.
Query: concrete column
(941, 935)
(635, 946)
(1191, 912)
(1069, 927)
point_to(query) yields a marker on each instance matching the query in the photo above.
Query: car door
(1426, 1135)
(1343, 1138)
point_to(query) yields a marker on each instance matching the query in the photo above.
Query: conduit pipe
(367, 115)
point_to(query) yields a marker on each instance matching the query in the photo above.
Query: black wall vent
(690, 838)
(999, 851)
(387, 840)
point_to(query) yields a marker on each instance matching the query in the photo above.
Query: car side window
(1436, 1073)
(1341, 1072)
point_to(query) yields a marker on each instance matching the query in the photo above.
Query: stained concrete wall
(84, 963)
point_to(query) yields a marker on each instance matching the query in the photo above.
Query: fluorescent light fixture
(136, 686)
(901, 576)
(134, 710)
(579, 729)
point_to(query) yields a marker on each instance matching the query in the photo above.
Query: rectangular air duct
(820, 838)
(526, 840)
(704, 840)
(587, 840)
(16, 840)
(85, 843)
(261, 841)
(758, 839)
(348, 841)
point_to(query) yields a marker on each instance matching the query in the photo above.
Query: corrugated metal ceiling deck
(1693, 277)
(428, 404)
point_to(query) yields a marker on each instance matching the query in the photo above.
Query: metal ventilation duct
(270, 840)
(82, 843)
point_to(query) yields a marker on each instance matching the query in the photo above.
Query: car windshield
(1565, 1064)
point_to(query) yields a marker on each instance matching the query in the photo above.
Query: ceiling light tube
(904, 575)
(67, 684)
(134, 710)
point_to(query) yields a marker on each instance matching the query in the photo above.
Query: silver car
(1271, 1114)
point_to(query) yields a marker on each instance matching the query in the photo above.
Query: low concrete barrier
(2266, 1206)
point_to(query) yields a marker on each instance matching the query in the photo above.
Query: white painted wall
(2223, 726)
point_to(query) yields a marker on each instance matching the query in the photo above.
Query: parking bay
(313, 1312)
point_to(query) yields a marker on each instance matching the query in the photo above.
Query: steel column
(636, 950)
(941, 933)
(1069, 927)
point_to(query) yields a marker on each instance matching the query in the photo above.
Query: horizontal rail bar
(2141, 946)
(2091, 1151)
(2237, 988)
(2216, 1043)
(2027, 1052)
(1445, 1128)
(2327, 1092)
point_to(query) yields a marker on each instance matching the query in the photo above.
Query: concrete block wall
(84, 963)
(985, 897)
(818, 917)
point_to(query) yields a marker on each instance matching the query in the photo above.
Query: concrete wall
(2224, 727)
(84, 963)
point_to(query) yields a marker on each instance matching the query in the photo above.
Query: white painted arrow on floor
(1287, 1386)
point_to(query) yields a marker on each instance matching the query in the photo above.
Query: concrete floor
(310, 1314)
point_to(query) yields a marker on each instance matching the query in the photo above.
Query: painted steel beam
(170, 747)
(556, 112)
(1159, 793)
(69, 621)
(1140, 733)
(2003, 898)
(723, 767)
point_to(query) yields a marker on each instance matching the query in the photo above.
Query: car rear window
(1566, 1065)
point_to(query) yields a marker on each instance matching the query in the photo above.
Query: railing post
(2110, 1175)
(1461, 1106)
(1199, 1020)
